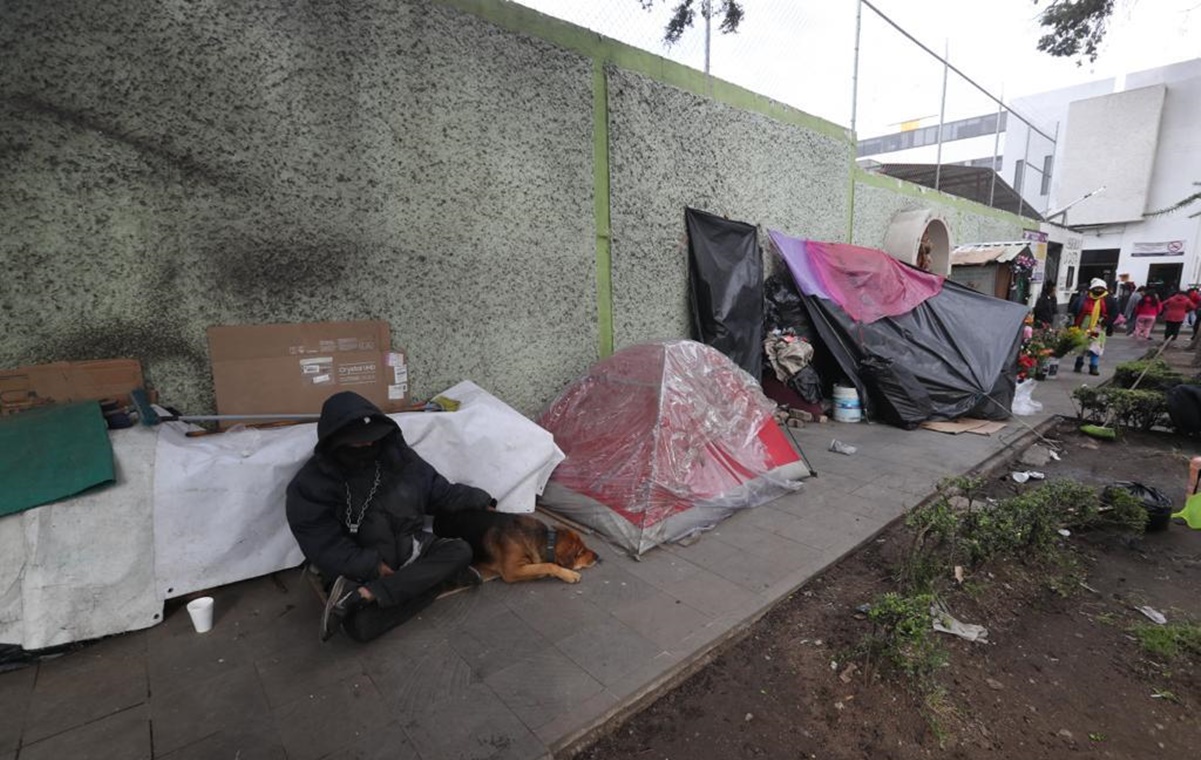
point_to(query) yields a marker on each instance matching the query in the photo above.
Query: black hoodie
(409, 489)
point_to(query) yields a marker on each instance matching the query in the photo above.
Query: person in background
(1131, 310)
(1095, 316)
(1145, 314)
(1077, 299)
(1175, 309)
(1046, 306)
(1194, 295)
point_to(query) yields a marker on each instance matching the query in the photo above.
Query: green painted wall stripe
(600, 189)
(885, 182)
(524, 20)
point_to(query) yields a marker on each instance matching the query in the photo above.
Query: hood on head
(1097, 282)
(349, 414)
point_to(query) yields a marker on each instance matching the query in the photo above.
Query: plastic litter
(1158, 505)
(1024, 404)
(1154, 615)
(842, 448)
(1022, 477)
(944, 622)
(1065, 532)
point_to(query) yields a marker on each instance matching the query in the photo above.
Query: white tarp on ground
(104, 562)
(83, 568)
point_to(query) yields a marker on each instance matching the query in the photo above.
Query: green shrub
(1139, 409)
(903, 634)
(1159, 376)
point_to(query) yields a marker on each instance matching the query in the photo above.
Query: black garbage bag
(1184, 408)
(807, 384)
(1158, 505)
(898, 398)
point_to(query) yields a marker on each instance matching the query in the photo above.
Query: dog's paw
(571, 576)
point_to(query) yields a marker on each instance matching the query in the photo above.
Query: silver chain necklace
(353, 527)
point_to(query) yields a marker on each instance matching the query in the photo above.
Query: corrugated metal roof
(975, 254)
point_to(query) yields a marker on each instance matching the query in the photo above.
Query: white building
(1138, 137)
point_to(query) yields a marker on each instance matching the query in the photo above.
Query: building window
(1046, 184)
(1019, 169)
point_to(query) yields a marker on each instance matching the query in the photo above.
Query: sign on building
(1166, 248)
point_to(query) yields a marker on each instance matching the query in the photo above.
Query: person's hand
(384, 570)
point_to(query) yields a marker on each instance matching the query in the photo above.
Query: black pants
(409, 590)
(1171, 329)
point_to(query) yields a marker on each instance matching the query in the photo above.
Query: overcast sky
(802, 51)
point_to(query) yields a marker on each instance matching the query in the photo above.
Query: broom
(1104, 431)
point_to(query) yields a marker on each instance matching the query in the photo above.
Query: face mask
(354, 457)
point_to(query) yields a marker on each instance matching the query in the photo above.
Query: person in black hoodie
(357, 508)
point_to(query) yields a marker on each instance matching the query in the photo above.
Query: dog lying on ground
(518, 547)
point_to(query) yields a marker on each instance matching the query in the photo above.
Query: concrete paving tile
(541, 688)
(660, 567)
(582, 716)
(750, 538)
(768, 517)
(496, 643)
(16, 691)
(426, 672)
(609, 651)
(330, 718)
(182, 656)
(708, 592)
(452, 612)
(244, 742)
(881, 495)
(757, 572)
(555, 612)
(706, 552)
(386, 742)
(195, 709)
(294, 673)
(72, 692)
(635, 683)
(122, 736)
(477, 725)
(611, 587)
(663, 619)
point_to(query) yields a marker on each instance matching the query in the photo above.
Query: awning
(976, 254)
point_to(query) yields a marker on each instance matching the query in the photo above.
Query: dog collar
(550, 545)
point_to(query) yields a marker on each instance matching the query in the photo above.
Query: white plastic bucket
(846, 404)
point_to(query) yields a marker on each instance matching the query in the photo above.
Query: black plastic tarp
(725, 278)
(953, 355)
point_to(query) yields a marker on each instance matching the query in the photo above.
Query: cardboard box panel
(294, 368)
(66, 382)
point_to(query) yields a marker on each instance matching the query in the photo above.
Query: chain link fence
(916, 117)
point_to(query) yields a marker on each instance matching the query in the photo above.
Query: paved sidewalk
(518, 671)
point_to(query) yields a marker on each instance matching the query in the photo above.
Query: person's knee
(459, 552)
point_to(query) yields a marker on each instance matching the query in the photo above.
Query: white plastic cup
(201, 612)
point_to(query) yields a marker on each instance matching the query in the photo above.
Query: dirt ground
(1060, 674)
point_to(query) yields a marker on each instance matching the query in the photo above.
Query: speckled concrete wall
(169, 165)
(876, 206)
(669, 149)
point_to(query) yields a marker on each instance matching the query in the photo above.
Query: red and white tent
(664, 440)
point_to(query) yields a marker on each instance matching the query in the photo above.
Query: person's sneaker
(343, 598)
(468, 577)
(1094, 371)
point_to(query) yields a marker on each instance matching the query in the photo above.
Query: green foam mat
(51, 453)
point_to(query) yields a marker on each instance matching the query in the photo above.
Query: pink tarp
(867, 284)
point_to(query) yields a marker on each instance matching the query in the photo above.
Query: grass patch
(1171, 640)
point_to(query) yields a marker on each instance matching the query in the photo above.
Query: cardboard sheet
(965, 425)
(66, 382)
(294, 368)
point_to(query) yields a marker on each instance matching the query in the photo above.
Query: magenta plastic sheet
(868, 284)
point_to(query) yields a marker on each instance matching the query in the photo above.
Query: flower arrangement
(1037, 347)
(1068, 341)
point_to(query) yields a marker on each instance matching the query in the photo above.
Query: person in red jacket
(1145, 313)
(1175, 310)
(1095, 315)
(1194, 295)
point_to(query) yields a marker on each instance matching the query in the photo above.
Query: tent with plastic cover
(916, 346)
(664, 440)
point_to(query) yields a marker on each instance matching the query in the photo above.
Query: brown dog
(518, 547)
